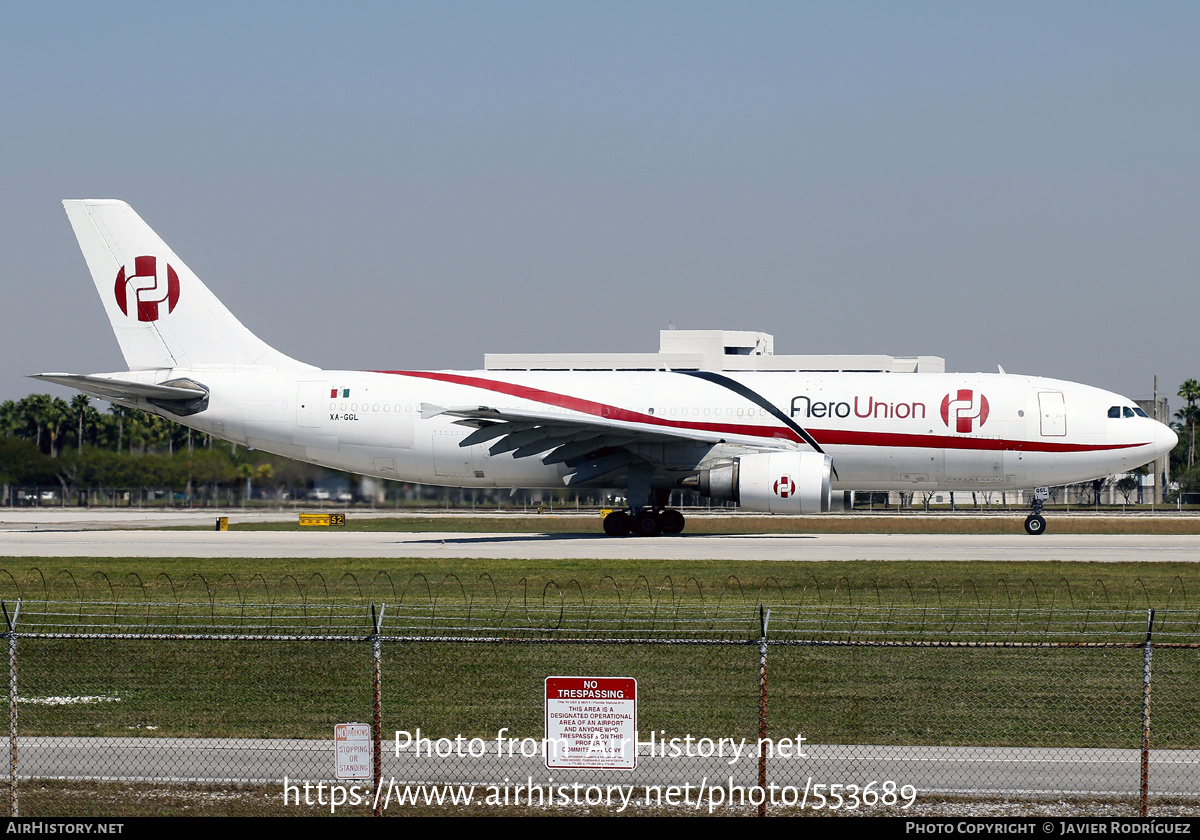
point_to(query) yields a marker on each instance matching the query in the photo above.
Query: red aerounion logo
(152, 281)
(965, 409)
(784, 486)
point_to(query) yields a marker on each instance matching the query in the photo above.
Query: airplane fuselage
(883, 431)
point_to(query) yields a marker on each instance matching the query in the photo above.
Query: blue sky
(413, 185)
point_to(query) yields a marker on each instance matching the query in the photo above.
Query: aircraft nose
(1164, 438)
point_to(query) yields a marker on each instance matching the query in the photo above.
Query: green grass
(286, 689)
(578, 582)
(192, 688)
(1064, 697)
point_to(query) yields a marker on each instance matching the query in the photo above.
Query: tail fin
(164, 317)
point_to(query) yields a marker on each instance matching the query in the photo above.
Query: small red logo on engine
(152, 281)
(784, 486)
(965, 409)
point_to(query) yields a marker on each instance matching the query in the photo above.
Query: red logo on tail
(152, 281)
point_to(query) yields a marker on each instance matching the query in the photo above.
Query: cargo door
(1053, 410)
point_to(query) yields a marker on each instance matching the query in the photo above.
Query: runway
(70, 533)
(533, 546)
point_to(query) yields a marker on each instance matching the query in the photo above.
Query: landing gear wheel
(1035, 524)
(647, 524)
(672, 521)
(616, 524)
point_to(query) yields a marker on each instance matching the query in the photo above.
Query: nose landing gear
(1035, 523)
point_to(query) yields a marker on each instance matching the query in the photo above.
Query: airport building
(715, 350)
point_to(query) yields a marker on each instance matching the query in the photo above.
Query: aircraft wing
(590, 446)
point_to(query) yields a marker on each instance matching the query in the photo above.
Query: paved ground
(974, 770)
(76, 533)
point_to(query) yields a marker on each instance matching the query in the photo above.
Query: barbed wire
(63, 585)
(422, 605)
(812, 624)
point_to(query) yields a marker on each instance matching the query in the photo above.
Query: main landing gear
(1035, 523)
(647, 522)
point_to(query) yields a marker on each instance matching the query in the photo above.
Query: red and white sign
(352, 750)
(591, 722)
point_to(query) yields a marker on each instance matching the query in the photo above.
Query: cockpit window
(1141, 413)
(1129, 412)
(1115, 411)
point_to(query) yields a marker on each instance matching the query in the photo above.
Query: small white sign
(352, 750)
(591, 722)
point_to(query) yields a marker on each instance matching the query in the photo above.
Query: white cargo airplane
(770, 441)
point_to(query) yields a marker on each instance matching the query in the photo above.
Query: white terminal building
(715, 350)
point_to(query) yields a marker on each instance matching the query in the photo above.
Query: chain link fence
(126, 709)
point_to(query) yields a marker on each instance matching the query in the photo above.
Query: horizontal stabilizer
(103, 387)
(180, 396)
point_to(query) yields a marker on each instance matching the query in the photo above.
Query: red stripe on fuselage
(825, 437)
(594, 408)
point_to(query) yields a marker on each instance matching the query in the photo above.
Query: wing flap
(521, 420)
(589, 446)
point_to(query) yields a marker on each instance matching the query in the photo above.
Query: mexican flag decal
(333, 392)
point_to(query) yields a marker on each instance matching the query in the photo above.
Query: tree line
(87, 456)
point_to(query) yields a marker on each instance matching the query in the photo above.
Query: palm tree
(1190, 391)
(34, 408)
(80, 404)
(59, 412)
(10, 418)
(121, 413)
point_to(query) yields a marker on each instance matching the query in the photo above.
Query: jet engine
(771, 482)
